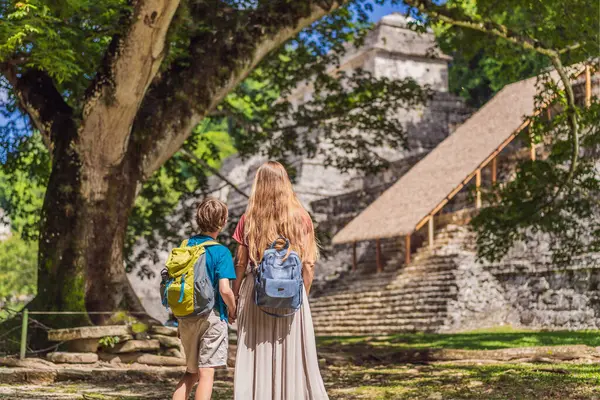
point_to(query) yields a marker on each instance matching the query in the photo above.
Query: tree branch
(442, 14)
(491, 28)
(221, 60)
(573, 121)
(215, 171)
(129, 66)
(40, 100)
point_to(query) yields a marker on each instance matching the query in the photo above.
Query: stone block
(167, 341)
(87, 332)
(174, 353)
(123, 358)
(132, 346)
(83, 345)
(151, 359)
(164, 330)
(143, 358)
(72, 358)
(33, 363)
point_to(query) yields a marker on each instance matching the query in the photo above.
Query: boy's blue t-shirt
(219, 265)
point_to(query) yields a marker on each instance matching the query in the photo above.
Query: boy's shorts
(205, 341)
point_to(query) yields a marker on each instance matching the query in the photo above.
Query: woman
(276, 357)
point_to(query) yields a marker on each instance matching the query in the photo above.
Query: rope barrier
(83, 312)
(37, 324)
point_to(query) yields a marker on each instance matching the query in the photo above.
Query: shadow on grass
(504, 381)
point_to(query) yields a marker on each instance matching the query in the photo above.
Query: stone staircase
(399, 299)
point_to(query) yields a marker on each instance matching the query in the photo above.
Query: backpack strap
(203, 244)
(210, 243)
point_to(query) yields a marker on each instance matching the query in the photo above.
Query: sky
(380, 11)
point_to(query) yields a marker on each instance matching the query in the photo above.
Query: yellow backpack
(186, 287)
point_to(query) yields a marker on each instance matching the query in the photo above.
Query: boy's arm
(228, 297)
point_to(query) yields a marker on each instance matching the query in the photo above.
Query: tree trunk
(83, 231)
(108, 288)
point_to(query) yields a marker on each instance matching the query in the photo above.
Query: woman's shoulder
(238, 234)
(304, 216)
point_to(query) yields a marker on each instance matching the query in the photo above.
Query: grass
(386, 378)
(490, 382)
(382, 378)
(490, 339)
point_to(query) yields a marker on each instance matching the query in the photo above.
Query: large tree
(116, 88)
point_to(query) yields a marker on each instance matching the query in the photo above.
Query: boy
(205, 338)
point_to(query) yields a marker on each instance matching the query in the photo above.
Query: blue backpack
(278, 281)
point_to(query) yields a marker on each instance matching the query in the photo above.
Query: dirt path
(101, 391)
(350, 373)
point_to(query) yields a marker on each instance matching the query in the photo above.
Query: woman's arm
(241, 262)
(308, 273)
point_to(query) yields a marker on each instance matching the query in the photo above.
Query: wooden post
(354, 256)
(407, 249)
(430, 229)
(588, 86)
(478, 188)
(532, 148)
(378, 255)
(494, 170)
(24, 334)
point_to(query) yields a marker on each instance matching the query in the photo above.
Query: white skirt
(276, 357)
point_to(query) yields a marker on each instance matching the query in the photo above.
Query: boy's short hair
(211, 215)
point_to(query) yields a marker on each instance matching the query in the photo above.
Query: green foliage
(353, 113)
(139, 327)
(482, 65)
(18, 270)
(109, 341)
(65, 38)
(23, 179)
(543, 206)
(253, 115)
(177, 181)
(551, 203)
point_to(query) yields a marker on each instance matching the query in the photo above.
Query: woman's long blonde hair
(274, 211)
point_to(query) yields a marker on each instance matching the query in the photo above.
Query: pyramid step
(378, 319)
(390, 307)
(406, 299)
(410, 292)
(377, 329)
(400, 302)
(436, 278)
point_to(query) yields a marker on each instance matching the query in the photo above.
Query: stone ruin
(391, 50)
(445, 288)
(117, 344)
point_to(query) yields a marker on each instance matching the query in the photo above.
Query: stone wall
(526, 290)
(446, 289)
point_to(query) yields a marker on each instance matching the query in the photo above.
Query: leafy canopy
(69, 39)
(552, 202)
